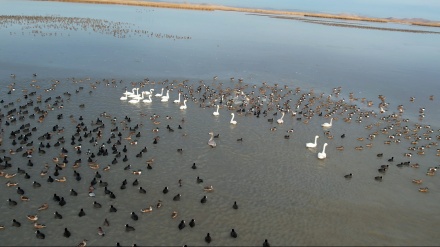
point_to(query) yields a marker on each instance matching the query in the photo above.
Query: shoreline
(202, 7)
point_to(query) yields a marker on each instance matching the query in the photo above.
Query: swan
(123, 98)
(148, 100)
(216, 113)
(183, 107)
(311, 144)
(177, 100)
(136, 100)
(232, 119)
(280, 121)
(166, 97)
(134, 95)
(327, 125)
(159, 94)
(149, 92)
(322, 155)
(211, 141)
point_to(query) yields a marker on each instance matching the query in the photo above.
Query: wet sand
(255, 11)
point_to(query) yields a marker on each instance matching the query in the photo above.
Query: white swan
(327, 125)
(177, 100)
(232, 119)
(159, 94)
(183, 107)
(149, 92)
(311, 144)
(211, 141)
(322, 155)
(280, 121)
(148, 100)
(126, 94)
(216, 113)
(166, 97)
(123, 98)
(134, 95)
(136, 100)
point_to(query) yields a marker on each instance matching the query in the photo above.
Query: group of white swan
(321, 155)
(136, 97)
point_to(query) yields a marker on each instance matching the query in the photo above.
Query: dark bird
(165, 190)
(348, 175)
(129, 228)
(58, 215)
(378, 178)
(176, 197)
(204, 199)
(66, 233)
(192, 223)
(81, 213)
(391, 160)
(266, 243)
(235, 206)
(134, 216)
(16, 223)
(182, 225)
(40, 235)
(208, 238)
(233, 234)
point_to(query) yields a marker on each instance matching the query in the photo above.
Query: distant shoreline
(203, 7)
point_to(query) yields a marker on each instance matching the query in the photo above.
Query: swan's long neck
(232, 119)
(316, 139)
(212, 136)
(217, 108)
(179, 96)
(282, 116)
(331, 119)
(323, 148)
(184, 103)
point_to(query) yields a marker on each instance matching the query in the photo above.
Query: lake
(84, 57)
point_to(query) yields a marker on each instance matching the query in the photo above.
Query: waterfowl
(39, 226)
(57, 215)
(24, 198)
(340, 148)
(32, 217)
(280, 120)
(138, 172)
(235, 206)
(424, 189)
(83, 243)
(322, 155)
(81, 213)
(208, 238)
(174, 214)
(327, 125)
(12, 202)
(10, 184)
(350, 175)
(378, 178)
(66, 233)
(211, 141)
(165, 190)
(204, 199)
(40, 235)
(312, 144)
(97, 204)
(182, 225)
(100, 231)
(233, 234)
(208, 188)
(129, 228)
(16, 223)
(134, 216)
(266, 243)
(417, 181)
(113, 209)
(176, 197)
(61, 180)
(232, 119)
(142, 190)
(44, 206)
(147, 210)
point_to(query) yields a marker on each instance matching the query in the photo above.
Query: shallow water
(284, 193)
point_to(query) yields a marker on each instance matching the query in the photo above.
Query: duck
(44, 206)
(174, 214)
(66, 233)
(424, 189)
(32, 217)
(350, 175)
(208, 238)
(208, 188)
(417, 181)
(182, 225)
(129, 228)
(233, 233)
(40, 235)
(378, 178)
(235, 206)
(39, 226)
(147, 210)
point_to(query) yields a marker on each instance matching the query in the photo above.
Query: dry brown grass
(203, 7)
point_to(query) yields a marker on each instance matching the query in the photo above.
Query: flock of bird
(24, 122)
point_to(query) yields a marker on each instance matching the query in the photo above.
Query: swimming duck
(417, 181)
(39, 226)
(32, 217)
(233, 234)
(147, 210)
(44, 206)
(129, 228)
(208, 188)
(66, 233)
(40, 235)
(174, 214)
(182, 224)
(350, 175)
(425, 189)
(208, 238)
(192, 223)
(235, 206)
